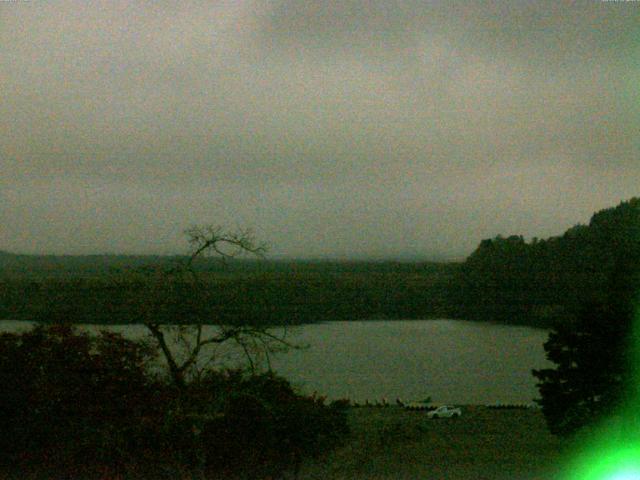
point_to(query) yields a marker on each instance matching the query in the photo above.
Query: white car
(445, 411)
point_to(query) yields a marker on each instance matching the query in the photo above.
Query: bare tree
(183, 345)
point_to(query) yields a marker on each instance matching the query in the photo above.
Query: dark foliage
(544, 281)
(261, 426)
(67, 397)
(306, 293)
(74, 405)
(594, 355)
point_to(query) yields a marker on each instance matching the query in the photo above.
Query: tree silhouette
(594, 355)
(176, 303)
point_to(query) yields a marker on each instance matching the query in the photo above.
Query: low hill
(542, 281)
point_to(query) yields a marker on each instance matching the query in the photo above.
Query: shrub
(86, 406)
(259, 424)
(67, 397)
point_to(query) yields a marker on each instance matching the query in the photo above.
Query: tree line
(543, 282)
(506, 279)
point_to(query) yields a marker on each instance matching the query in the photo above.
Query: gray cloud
(332, 128)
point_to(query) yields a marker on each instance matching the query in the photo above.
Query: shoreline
(484, 443)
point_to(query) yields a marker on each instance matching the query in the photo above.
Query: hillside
(542, 281)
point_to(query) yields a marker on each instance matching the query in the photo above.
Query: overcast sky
(331, 128)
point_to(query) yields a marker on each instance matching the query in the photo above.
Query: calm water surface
(451, 361)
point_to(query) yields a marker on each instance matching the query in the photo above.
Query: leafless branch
(214, 240)
(255, 341)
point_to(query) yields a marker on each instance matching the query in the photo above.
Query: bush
(83, 405)
(68, 396)
(258, 424)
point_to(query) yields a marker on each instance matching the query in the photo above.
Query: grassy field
(392, 443)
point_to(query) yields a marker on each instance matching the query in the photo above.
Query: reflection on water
(451, 361)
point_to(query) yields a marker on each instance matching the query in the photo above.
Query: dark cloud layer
(343, 128)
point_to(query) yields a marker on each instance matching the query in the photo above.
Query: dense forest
(111, 289)
(543, 281)
(506, 279)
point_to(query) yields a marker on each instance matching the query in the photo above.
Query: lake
(451, 361)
